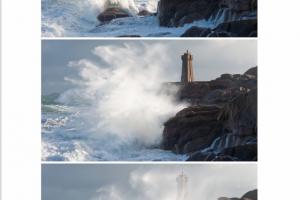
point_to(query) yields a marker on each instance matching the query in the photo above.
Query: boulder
(112, 13)
(145, 13)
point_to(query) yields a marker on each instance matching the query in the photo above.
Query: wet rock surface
(112, 13)
(220, 124)
(233, 18)
(179, 12)
(241, 28)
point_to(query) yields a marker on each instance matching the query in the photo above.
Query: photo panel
(149, 181)
(149, 18)
(149, 100)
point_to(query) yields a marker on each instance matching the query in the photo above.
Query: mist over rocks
(220, 124)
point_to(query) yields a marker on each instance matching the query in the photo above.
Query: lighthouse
(187, 74)
(182, 181)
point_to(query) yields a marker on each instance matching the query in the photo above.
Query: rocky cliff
(220, 124)
(236, 18)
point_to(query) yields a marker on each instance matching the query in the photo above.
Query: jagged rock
(241, 28)
(112, 13)
(179, 12)
(240, 115)
(191, 129)
(225, 108)
(174, 13)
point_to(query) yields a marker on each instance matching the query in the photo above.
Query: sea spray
(149, 5)
(207, 182)
(125, 93)
(102, 5)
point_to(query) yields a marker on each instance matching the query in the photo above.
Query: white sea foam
(126, 109)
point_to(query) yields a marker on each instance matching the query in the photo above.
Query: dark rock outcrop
(239, 5)
(252, 71)
(251, 195)
(179, 12)
(232, 18)
(241, 28)
(195, 31)
(191, 129)
(112, 13)
(221, 123)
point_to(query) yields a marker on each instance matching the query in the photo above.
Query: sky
(211, 58)
(145, 181)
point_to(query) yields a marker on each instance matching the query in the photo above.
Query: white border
(20, 100)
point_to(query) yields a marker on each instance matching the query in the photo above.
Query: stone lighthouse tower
(187, 74)
(182, 181)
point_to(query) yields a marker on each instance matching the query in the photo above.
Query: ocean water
(76, 18)
(69, 135)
